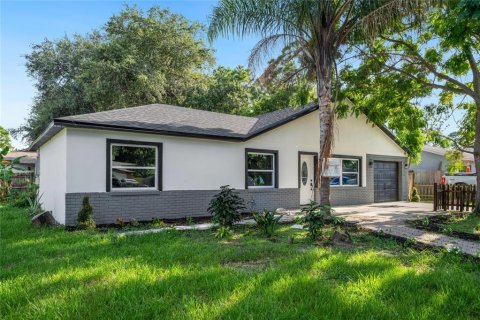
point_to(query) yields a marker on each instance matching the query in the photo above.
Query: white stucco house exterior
(167, 162)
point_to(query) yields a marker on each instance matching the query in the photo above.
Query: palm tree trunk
(323, 74)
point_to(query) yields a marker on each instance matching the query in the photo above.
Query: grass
(50, 273)
(469, 223)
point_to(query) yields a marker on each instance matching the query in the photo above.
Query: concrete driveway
(384, 214)
(390, 217)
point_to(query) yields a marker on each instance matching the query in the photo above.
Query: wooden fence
(454, 197)
(423, 181)
(20, 180)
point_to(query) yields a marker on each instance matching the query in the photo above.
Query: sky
(23, 23)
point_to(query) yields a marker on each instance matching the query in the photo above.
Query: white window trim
(341, 174)
(266, 170)
(116, 189)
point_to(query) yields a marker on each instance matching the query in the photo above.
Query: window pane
(350, 179)
(350, 165)
(304, 173)
(133, 178)
(133, 156)
(260, 161)
(260, 179)
(335, 181)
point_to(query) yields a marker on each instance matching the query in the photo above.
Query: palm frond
(263, 49)
(375, 16)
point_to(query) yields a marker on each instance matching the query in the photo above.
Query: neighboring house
(27, 162)
(167, 162)
(433, 159)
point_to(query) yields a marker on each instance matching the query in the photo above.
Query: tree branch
(457, 146)
(430, 67)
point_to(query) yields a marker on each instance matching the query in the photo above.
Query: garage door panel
(385, 181)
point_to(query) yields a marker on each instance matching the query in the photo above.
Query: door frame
(315, 164)
(399, 178)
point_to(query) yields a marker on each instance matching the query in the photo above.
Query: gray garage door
(385, 181)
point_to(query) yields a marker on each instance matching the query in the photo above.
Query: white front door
(307, 169)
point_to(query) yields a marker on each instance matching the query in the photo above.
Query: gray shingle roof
(167, 119)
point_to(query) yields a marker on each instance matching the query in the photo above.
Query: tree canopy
(135, 58)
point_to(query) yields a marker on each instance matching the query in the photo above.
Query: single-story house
(27, 161)
(167, 162)
(433, 159)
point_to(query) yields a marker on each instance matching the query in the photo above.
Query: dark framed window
(133, 165)
(349, 171)
(261, 168)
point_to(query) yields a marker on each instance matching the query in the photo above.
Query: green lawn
(52, 273)
(468, 224)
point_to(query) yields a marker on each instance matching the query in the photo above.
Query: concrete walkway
(390, 217)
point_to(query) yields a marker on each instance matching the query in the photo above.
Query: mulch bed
(437, 224)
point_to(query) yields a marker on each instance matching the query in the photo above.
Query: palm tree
(315, 32)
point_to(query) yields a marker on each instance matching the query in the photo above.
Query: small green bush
(157, 222)
(223, 232)
(267, 221)
(425, 222)
(85, 215)
(225, 207)
(314, 218)
(415, 196)
(21, 198)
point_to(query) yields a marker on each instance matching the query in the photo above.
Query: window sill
(134, 192)
(263, 189)
(346, 187)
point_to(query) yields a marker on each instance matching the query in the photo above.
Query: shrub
(34, 204)
(426, 222)
(85, 215)
(225, 207)
(267, 221)
(21, 198)
(223, 232)
(415, 196)
(157, 222)
(314, 218)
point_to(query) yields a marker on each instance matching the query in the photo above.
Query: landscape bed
(457, 224)
(47, 272)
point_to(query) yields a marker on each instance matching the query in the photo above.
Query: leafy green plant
(267, 221)
(225, 207)
(410, 242)
(6, 173)
(20, 198)
(447, 230)
(415, 196)
(314, 218)
(336, 220)
(223, 232)
(425, 222)
(134, 222)
(157, 222)
(189, 220)
(34, 204)
(85, 215)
